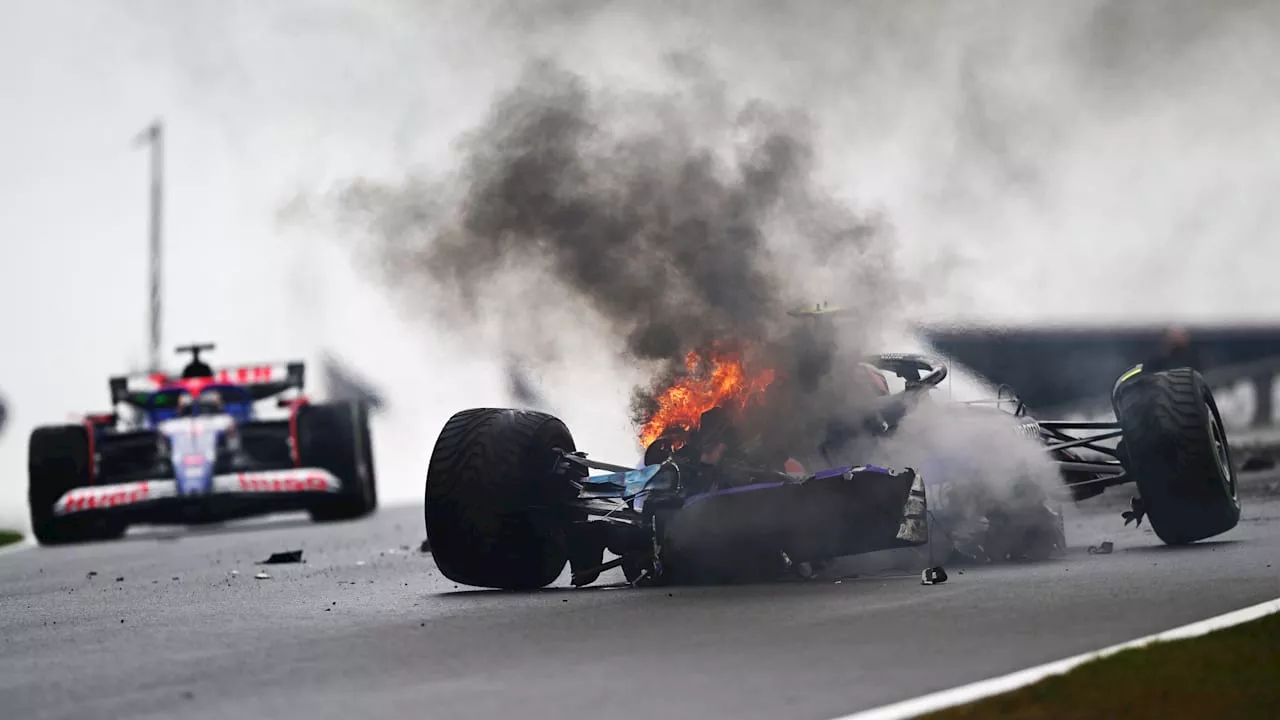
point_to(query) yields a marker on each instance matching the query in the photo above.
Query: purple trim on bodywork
(836, 472)
(733, 491)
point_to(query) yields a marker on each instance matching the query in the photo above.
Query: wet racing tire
(495, 510)
(58, 461)
(335, 437)
(1177, 451)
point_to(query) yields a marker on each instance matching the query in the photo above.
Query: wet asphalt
(175, 624)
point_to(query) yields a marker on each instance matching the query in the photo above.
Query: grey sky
(994, 136)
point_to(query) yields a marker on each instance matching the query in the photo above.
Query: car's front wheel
(494, 506)
(59, 460)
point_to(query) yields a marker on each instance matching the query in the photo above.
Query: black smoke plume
(680, 220)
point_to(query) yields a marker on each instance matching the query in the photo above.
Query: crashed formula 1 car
(194, 449)
(510, 500)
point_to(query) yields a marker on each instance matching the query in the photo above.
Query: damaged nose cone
(933, 576)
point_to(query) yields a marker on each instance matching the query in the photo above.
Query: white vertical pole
(153, 137)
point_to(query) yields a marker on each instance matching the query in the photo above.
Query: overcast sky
(1067, 161)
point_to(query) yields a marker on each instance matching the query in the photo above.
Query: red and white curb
(994, 686)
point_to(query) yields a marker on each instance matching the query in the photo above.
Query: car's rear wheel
(59, 460)
(494, 506)
(1177, 450)
(335, 437)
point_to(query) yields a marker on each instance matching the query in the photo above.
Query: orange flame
(720, 379)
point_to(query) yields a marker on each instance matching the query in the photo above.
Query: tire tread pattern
(493, 515)
(1165, 420)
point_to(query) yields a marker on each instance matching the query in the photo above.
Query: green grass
(9, 537)
(1230, 673)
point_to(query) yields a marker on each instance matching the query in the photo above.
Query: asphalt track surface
(368, 628)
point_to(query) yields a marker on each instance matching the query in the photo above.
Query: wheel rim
(1221, 454)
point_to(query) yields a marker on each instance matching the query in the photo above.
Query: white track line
(986, 688)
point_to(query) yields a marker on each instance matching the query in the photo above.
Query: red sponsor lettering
(289, 484)
(98, 499)
(246, 375)
(76, 503)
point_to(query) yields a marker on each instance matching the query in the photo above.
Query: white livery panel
(293, 481)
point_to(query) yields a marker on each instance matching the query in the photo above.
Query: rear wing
(262, 381)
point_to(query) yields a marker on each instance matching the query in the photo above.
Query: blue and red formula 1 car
(192, 449)
(510, 500)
